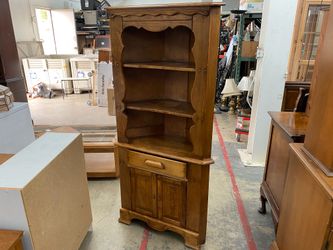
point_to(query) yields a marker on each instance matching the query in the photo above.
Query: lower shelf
(163, 143)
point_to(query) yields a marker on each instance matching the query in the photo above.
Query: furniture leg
(263, 200)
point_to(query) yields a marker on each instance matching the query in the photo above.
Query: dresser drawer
(157, 165)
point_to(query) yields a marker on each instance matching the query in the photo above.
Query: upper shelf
(170, 107)
(175, 66)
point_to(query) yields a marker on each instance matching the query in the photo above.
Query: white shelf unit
(81, 67)
(59, 69)
(49, 71)
(35, 71)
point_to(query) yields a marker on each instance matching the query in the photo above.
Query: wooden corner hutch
(164, 64)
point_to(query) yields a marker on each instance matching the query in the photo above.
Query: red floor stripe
(240, 206)
(144, 241)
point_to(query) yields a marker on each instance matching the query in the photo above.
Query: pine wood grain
(11, 240)
(287, 127)
(165, 75)
(100, 165)
(176, 66)
(305, 220)
(319, 139)
(5, 157)
(170, 107)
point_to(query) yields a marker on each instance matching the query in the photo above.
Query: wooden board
(318, 140)
(170, 107)
(5, 157)
(10, 239)
(176, 66)
(100, 165)
(306, 213)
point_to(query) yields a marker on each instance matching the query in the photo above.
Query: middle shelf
(166, 106)
(162, 65)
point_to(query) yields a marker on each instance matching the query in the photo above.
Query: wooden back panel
(316, 70)
(319, 136)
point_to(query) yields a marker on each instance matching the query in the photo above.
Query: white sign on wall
(104, 82)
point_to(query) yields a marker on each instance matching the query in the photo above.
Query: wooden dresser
(11, 240)
(164, 66)
(306, 214)
(306, 218)
(287, 127)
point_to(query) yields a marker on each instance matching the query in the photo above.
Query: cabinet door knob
(154, 164)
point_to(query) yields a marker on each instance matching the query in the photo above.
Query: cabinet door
(143, 192)
(171, 200)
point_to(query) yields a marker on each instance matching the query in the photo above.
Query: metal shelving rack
(245, 19)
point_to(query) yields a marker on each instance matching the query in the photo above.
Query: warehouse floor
(233, 220)
(72, 110)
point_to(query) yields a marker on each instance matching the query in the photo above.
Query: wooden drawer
(157, 164)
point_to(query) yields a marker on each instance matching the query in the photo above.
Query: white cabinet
(16, 131)
(58, 69)
(81, 67)
(35, 71)
(48, 71)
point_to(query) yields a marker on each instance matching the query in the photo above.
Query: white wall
(230, 5)
(23, 12)
(275, 43)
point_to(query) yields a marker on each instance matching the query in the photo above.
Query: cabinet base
(192, 239)
(274, 246)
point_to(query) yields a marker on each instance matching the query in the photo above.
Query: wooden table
(98, 145)
(287, 127)
(11, 240)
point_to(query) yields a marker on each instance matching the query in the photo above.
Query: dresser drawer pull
(154, 164)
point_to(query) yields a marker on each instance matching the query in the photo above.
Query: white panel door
(64, 31)
(45, 30)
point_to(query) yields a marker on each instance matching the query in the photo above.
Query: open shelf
(163, 143)
(175, 66)
(170, 107)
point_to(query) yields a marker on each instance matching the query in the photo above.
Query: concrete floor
(72, 110)
(227, 196)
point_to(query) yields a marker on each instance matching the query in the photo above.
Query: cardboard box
(111, 102)
(249, 48)
(44, 192)
(104, 82)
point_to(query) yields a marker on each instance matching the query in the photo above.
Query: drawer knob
(154, 164)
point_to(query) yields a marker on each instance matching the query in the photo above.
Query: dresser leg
(262, 209)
